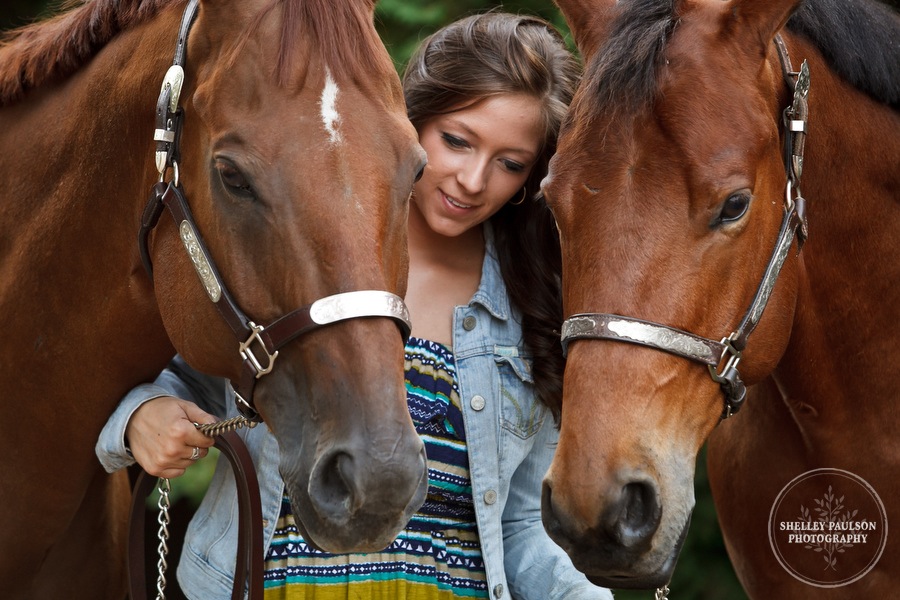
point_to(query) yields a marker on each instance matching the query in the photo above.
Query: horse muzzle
(622, 550)
(356, 500)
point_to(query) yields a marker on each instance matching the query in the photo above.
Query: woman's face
(478, 159)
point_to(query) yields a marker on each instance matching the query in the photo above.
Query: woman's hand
(162, 436)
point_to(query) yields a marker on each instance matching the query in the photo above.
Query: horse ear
(763, 18)
(587, 20)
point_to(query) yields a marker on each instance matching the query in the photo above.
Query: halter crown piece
(257, 345)
(603, 326)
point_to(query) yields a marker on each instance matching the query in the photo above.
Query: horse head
(669, 190)
(297, 161)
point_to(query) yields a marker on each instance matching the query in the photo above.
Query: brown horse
(677, 209)
(297, 160)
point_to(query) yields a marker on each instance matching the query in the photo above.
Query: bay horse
(288, 160)
(676, 189)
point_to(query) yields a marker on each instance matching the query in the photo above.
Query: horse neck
(844, 341)
(71, 282)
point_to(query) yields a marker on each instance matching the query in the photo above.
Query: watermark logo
(828, 527)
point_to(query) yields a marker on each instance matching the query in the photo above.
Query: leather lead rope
(249, 561)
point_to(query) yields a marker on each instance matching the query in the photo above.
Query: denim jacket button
(490, 497)
(477, 402)
(469, 323)
(498, 590)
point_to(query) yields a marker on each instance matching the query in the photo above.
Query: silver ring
(195, 454)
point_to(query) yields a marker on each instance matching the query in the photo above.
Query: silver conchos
(201, 261)
(364, 303)
(614, 327)
(174, 79)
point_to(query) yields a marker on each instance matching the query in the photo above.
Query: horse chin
(344, 503)
(652, 579)
(346, 531)
(649, 582)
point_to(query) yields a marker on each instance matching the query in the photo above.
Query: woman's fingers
(162, 436)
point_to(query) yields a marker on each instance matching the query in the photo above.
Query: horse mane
(858, 39)
(55, 48)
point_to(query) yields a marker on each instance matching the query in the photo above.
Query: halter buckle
(247, 412)
(734, 357)
(246, 353)
(730, 379)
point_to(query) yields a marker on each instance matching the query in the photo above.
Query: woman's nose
(473, 175)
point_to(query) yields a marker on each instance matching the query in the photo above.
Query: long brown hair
(500, 53)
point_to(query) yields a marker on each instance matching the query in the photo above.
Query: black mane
(860, 39)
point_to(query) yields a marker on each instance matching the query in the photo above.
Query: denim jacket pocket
(520, 412)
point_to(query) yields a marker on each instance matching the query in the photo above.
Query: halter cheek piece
(699, 349)
(257, 345)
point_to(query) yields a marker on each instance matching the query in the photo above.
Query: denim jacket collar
(491, 292)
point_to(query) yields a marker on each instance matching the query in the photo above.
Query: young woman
(484, 367)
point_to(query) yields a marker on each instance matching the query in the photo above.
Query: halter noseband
(699, 349)
(258, 345)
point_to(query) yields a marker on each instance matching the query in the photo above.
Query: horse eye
(233, 179)
(419, 174)
(734, 208)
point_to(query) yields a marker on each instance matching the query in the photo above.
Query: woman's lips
(452, 201)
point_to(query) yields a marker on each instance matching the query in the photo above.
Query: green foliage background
(703, 571)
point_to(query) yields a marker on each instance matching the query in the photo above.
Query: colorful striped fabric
(438, 555)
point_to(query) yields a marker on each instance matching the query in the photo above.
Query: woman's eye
(454, 141)
(734, 207)
(513, 166)
(232, 178)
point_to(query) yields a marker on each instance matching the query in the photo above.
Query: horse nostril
(332, 485)
(634, 518)
(550, 518)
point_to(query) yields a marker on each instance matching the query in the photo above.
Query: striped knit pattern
(438, 555)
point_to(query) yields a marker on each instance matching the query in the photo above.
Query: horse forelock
(622, 77)
(52, 49)
(342, 32)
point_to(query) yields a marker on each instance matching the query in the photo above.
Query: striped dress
(438, 555)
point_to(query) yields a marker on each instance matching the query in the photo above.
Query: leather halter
(258, 345)
(699, 349)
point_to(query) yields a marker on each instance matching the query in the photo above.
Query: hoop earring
(522, 199)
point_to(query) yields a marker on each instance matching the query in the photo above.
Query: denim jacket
(510, 435)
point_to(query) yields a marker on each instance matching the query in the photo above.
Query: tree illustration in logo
(828, 511)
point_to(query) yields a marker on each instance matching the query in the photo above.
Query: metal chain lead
(163, 535)
(232, 424)
(662, 593)
(209, 430)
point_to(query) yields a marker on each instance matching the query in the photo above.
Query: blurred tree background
(703, 572)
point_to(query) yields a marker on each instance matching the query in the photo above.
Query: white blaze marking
(330, 116)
